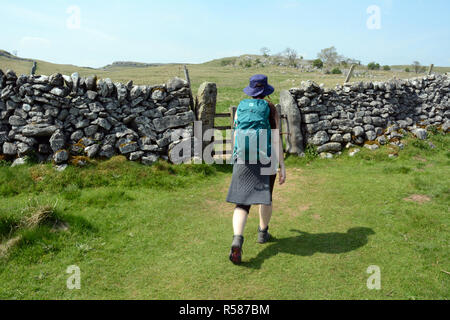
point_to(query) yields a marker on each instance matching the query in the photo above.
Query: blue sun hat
(259, 86)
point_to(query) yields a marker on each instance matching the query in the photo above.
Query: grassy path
(135, 238)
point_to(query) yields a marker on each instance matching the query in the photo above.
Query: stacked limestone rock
(62, 117)
(372, 113)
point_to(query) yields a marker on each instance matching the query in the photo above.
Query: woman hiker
(250, 184)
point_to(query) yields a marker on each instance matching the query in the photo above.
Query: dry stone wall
(63, 118)
(369, 113)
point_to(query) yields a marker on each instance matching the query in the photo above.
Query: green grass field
(163, 232)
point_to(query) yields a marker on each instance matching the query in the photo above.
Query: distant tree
(336, 71)
(329, 56)
(227, 62)
(386, 68)
(265, 51)
(277, 59)
(416, 66)
(407, 70)
(353, 61)
(291, 56)
(373, 66)
(245, 64)
(318, 63)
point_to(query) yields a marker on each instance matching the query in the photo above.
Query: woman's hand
(282, 174)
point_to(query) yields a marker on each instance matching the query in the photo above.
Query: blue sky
(196, 31)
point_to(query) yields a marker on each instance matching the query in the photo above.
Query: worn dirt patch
(419, 158)
(418, 198)
(304, 208)
(220, 208)
(316, 217)
(295, 211)
(289, 197)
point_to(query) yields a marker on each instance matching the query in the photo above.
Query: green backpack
(252, 120)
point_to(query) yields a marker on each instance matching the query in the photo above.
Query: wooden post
(350, 73)
(191, 97)
(430, 70)
(33, 68)
(233, 110)
(186, 74)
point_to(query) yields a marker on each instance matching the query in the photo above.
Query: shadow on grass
(307, 244)
(224, 168)
(80, 224)
(8, 225)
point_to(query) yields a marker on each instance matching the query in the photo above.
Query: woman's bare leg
(239, 221)
(265, 213)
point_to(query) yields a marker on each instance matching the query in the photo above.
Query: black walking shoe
(263, 235)
(236, 249)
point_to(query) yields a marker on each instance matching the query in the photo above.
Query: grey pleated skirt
(248, 186)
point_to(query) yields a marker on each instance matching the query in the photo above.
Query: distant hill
(131, 64)
(252, 60)
(23, 65)
(120, 71)
(145, 73)
(8, 55)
